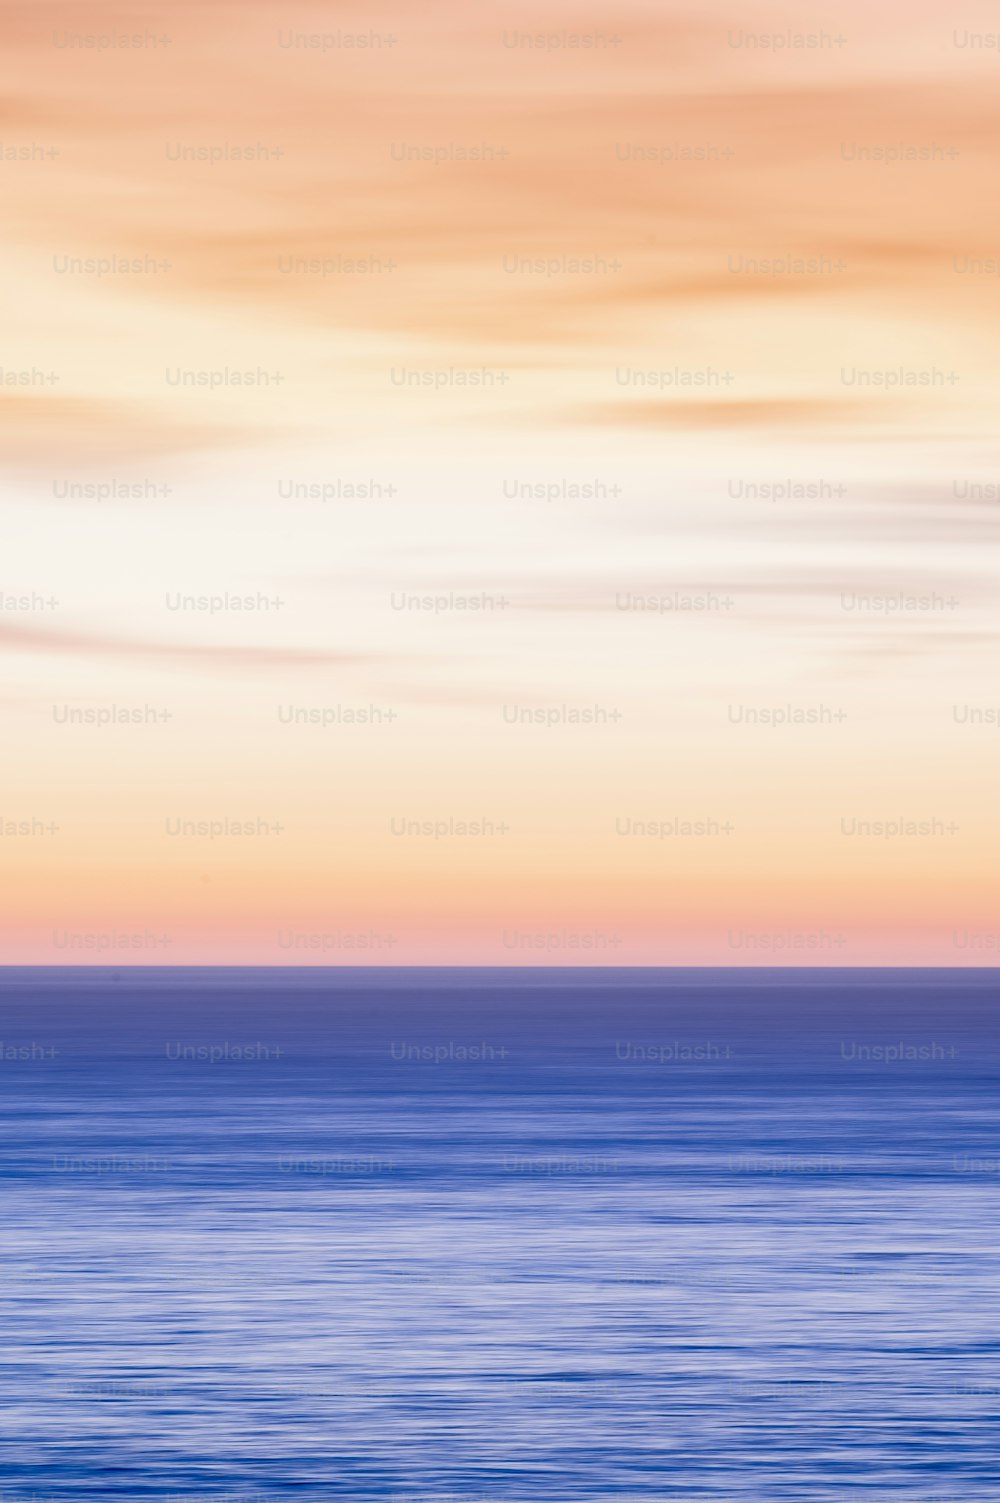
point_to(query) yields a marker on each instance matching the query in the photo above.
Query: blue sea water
(550, 1236)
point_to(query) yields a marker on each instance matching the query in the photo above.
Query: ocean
(471, 1235)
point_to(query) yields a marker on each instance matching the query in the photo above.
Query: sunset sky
(596, 566)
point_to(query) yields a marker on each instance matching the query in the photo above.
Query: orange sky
(654, 346)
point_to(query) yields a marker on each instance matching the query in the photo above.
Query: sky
(499, 484)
